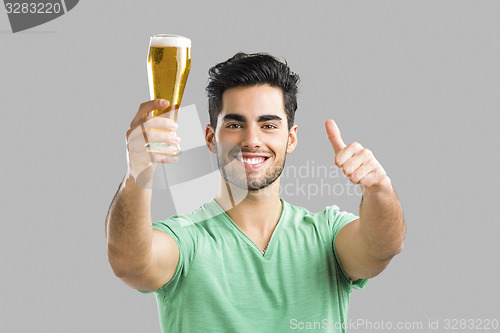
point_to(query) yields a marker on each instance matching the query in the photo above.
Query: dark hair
(245, 70)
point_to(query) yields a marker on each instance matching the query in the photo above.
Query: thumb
(333, 133)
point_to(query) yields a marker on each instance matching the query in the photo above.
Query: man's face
(252, 138)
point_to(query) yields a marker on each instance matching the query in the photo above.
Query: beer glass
(169, 62)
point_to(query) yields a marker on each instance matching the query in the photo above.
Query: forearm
(128, 229)
(382, 222)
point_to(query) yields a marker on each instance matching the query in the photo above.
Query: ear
(210, 138)
(292, 139)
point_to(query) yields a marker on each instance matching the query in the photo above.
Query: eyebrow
(268, 117)
(243, 119)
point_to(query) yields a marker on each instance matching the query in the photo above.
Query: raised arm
(143, 258)
(366, 246)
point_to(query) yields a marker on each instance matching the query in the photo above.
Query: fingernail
(164, 102)
(177, 139)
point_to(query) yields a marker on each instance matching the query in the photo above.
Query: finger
(347, 153)
(152, 124)
(160, 124)
(159, 136)
(363, 156)
(138, 143)
(375, 178)
(146, 107)
(362, 172)
(333, 133)
(140, 137)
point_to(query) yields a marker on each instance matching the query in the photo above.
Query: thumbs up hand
(357, 162)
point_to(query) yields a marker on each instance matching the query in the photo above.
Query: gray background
(414, 81)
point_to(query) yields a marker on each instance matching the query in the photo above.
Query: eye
(233, 125)
(269, 126)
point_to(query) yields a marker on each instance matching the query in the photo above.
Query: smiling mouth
(251, 160)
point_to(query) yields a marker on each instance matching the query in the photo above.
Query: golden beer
(169, 62)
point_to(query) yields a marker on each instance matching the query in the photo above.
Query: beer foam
(169, 41)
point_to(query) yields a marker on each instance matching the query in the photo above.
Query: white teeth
(254, 160)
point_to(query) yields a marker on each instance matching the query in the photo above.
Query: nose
(251, 138)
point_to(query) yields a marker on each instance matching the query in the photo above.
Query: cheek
(279, 147)
(223, 136)
(227, 144)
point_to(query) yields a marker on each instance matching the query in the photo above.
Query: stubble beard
(245, 181)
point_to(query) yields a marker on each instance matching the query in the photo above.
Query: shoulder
(205, 217)
(301, 218)
(329, 213)
(331, 217)
(293, 210)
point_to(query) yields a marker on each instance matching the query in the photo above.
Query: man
(248, 261)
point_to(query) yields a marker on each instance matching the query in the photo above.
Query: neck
(255, 211)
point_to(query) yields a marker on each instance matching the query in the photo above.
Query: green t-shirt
(223, 283)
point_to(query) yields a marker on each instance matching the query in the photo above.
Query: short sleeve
(183, 231)
(337, 220)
